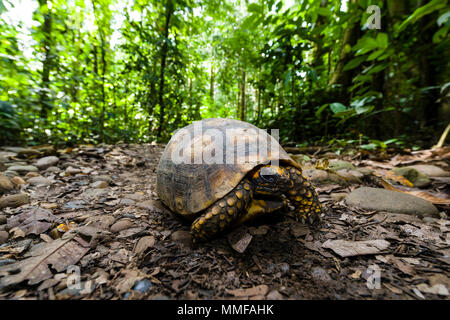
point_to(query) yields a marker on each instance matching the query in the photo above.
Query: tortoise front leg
(223, 213)
(303, 196)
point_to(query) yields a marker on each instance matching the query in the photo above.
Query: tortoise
(212, 175)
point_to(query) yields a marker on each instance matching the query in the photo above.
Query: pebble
(5, 184)
(23, 169)
(72, 171)
(431, 171)
(14, 200)
(99, 184)
(26, 153)
(390, 201)
(44, 163)
(143, 285)
(3, 219)
(320, 274)
(17, 181)
(39, 181)
(102, 178)
(274, 295)
(3, 236)
(121, 225)
(181, 236)
(337, 165)
(11, 174)
(338, 196)
(417, 178)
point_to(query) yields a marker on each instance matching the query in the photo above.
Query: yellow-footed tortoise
(220, 173)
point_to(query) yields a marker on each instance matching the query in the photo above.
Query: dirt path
(98, 211)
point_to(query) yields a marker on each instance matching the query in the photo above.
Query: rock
(17, 181)
(320, 274)
(14, 200)
(46, 162)
(149, 205)
(390, 201)
(126, 202)
(95, 193)
(338, 196)
(99, 184)
(27, 153)
(365, 171)
(418, 179)
(430, 170)
(53, 169)
(3, 236)
(142, 286)
(274, 295)
(102, 178)
(135, 196)
(101, 221)
(77, 204)
(3, 219)
(39, 181)
(5, 184)
(181, 236)
(72, 171)
(323, 177)
(11, 174)
(23, 169)
(352, 176)
(121, 225)
(337, 165)
(32, 175)
(46, 150)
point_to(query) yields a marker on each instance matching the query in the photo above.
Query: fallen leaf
(439, 289)
(59, 254)
(346, 248)
(420, 194)
(34, 220)
(248, 292)
(143, 244)
(239, 239)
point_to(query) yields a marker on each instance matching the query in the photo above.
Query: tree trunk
(340, 76)
(211, 85)
(47, 63)
(242, 107)
(164, 49)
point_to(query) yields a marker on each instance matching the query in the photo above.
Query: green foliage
(136, 70)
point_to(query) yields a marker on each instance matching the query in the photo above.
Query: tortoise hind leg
(223, 213)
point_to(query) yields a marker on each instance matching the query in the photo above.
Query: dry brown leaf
(249, 292)
(34, 220)
(346, 248)
(60, 254)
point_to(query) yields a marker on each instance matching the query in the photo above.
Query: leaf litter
(275, 258)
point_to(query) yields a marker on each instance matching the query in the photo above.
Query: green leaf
(320, 110)
(326, 12)
(422, 11)
(375, 55)
(444, 19)
(354, 63)
(337, 107)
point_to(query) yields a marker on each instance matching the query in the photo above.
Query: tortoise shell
(207, 159)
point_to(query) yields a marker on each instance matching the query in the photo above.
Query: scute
(188, 188)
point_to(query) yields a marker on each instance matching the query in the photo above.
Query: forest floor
(86, 223)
